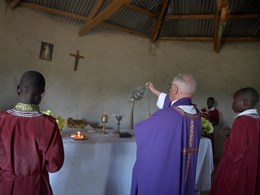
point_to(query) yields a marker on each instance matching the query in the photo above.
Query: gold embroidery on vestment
(190, 149)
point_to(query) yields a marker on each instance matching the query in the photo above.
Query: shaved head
(248, 94)
(31, 87)
(32, 81)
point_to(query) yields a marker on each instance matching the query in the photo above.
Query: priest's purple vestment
(167, 151)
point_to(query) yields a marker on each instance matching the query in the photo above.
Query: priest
(167, 143)
(30, 142)
(238, 171)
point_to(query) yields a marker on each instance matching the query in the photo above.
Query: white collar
(248, 112)
(211, 109)
(173, 102)
(186, 108)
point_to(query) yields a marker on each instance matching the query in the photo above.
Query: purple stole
(167, 102)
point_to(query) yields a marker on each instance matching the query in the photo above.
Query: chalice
(104, 120)
(118, 118)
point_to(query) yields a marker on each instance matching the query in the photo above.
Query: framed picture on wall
(46, 51)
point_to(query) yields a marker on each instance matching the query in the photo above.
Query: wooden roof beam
(95, 9)
(217, 30)
(223, 18)
(210, 16)
(158, 22)
(111, 9)
(141, 10)
(243, 16)
(187, 38)
(78, 17)
(119, 28)
(14, 3)
(52, 11)
(253, 39)
(190, 16)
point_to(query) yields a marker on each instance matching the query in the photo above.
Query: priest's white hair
(186, 83)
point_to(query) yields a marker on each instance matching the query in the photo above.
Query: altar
(102, 165)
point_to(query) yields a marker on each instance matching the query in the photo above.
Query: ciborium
(104, 120)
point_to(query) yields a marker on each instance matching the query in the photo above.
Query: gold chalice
(104, 120)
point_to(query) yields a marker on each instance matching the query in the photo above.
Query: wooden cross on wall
(77, 57)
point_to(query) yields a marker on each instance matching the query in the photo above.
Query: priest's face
(173, 91)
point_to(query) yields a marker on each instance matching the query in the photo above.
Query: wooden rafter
(217, 30)
(190, 17)
(14, 3)
(111, 9)
(224, 11)
(158, 22)
(210, 16)
(78, 17)
(75, 16)
(254, 39)
(95, 9)
(118, 28)
(243, 16)
(187, 38)
(52, 11)
(141, 10)
(221, 16)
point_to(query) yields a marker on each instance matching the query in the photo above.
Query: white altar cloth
(102, 165)
(205, 165)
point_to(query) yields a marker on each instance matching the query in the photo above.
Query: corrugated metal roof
(181, 18)
(192, 7)
(196, 28)
(152, 5)
(132, 20)
(244, 6)
(242, 28)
